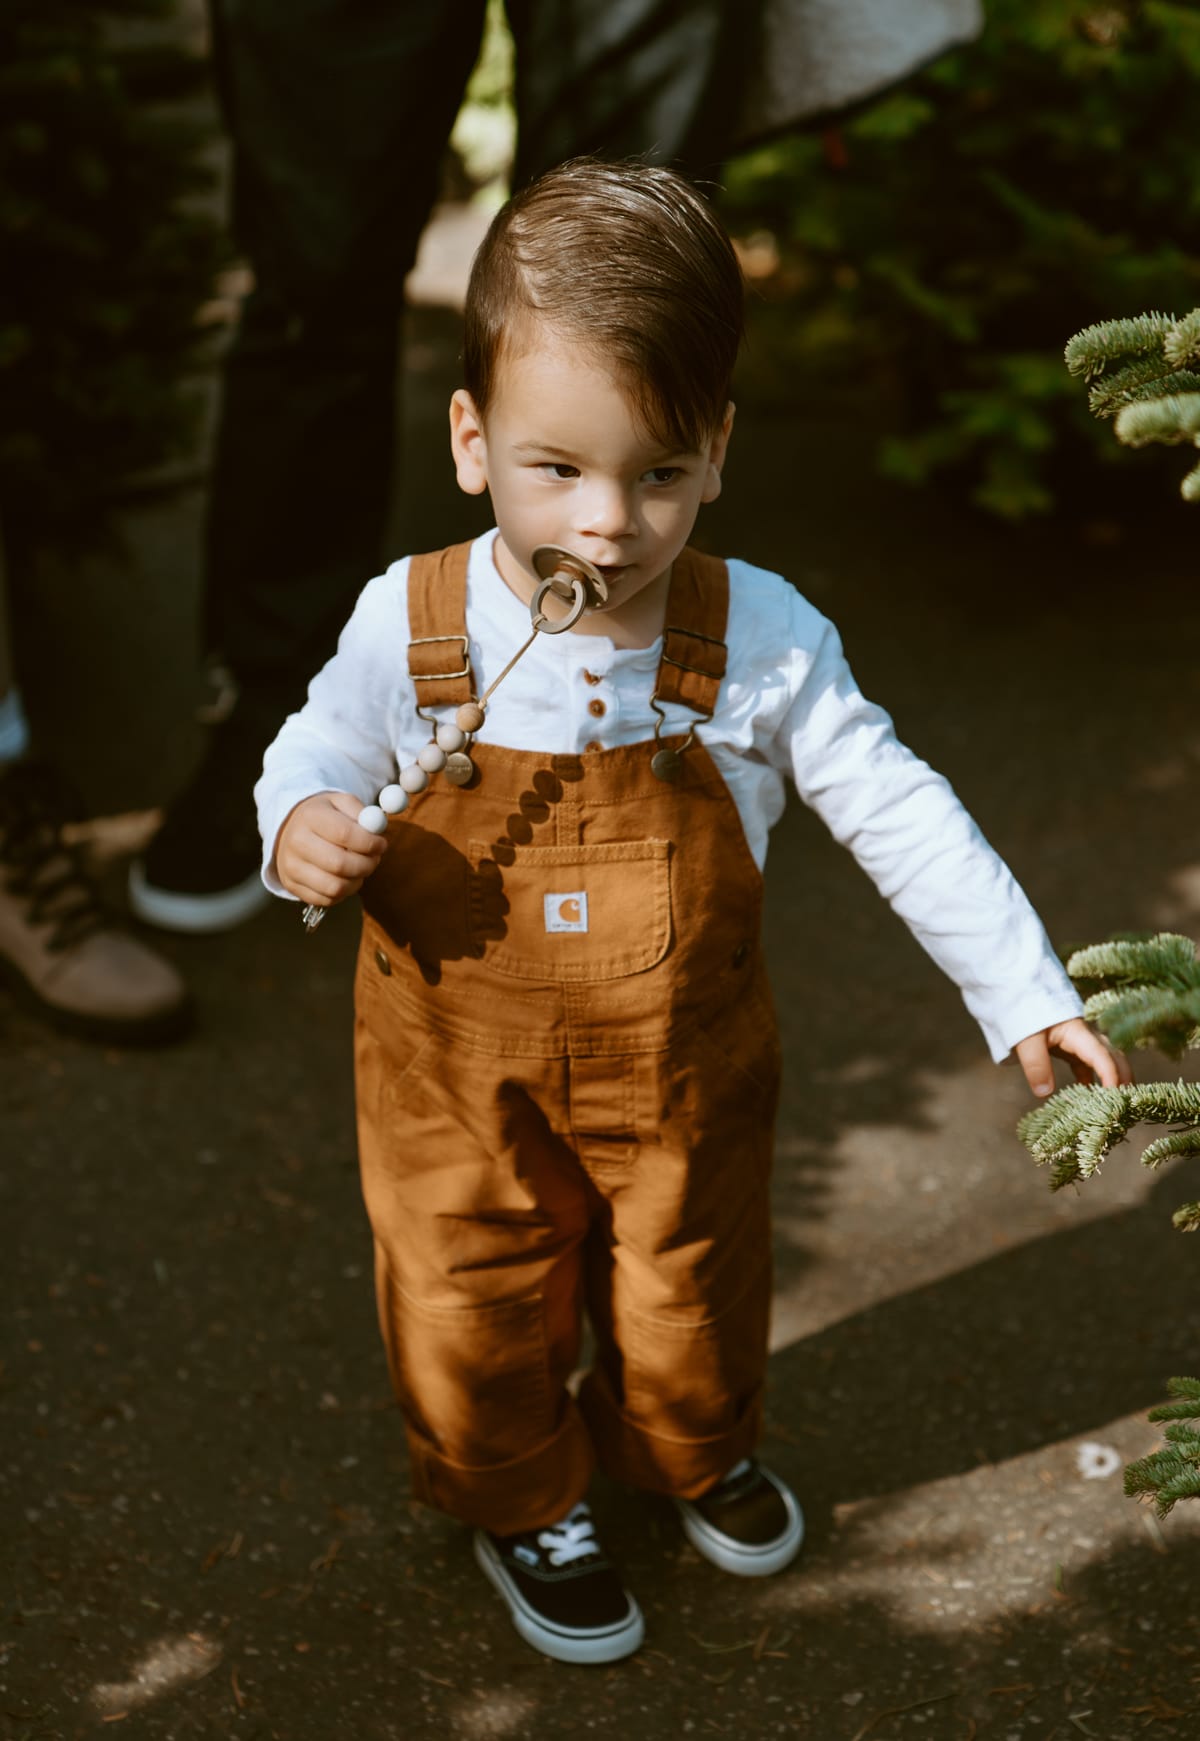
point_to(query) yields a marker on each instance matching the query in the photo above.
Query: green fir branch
(1188, 1389)
(1089, 352)
(1183, 1482)
(1181, 1145)
(1186, 1218)
(1138, 961)
(1151, 1016)
(1166, 1476)
(1171, 420)
(1076, 1128)
(1136, 383)
(1181, 345)
(1182, 1410)
(1172, 1472)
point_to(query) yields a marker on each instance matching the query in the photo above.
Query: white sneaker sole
(563, 1644)
(195, 914)
(744, 1559)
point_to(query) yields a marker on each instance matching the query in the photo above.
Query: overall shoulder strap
(694, 651)
(439, 657)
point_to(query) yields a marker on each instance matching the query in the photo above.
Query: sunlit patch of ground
(500, 1714)
(168, 1665)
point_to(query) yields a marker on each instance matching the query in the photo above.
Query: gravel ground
(206, 1517)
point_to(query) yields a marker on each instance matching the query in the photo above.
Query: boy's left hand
(1089, 1055)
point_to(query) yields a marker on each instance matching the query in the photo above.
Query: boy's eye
(560, 469)
(664, 474)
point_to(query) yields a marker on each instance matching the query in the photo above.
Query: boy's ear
(717, 450)
(468, 444)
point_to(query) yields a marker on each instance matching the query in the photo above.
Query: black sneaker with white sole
(201, 872)
(749, 1523)
(564, 1594)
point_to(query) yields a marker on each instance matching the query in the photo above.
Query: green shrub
(948, 235)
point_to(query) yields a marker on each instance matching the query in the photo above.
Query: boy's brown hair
(629, 261)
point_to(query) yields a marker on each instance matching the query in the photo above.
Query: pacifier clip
(574, 582)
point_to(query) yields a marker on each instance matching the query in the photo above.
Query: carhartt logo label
(566, 912)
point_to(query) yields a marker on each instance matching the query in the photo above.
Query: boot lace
(572, 1539)
(37, 865)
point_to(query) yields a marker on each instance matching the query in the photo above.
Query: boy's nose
(605, 511)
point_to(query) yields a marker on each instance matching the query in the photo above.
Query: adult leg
(59, 950)
(659, 78)
(339, 114)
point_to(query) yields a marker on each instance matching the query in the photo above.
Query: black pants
(339, 112)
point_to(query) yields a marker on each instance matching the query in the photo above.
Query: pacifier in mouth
(573, 581)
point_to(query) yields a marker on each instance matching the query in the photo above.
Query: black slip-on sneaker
(565, 1595)
(749, 1523)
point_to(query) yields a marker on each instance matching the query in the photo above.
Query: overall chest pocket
(571, 913)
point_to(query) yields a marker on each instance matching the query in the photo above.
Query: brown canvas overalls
(567, 1072)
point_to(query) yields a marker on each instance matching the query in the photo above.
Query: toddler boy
(566, 1055)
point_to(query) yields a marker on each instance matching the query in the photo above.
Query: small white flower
(1096, 1462)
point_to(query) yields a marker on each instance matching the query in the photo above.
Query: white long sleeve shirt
(788, 705)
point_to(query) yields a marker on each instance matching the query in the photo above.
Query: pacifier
(573, 581)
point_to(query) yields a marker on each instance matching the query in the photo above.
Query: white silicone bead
(432, 759)
(413, 778)
(450, 738)
(393, 799)
(373, 819)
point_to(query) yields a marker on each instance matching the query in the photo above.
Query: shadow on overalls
(442, 905)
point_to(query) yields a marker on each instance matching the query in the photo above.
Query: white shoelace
(572, 1539)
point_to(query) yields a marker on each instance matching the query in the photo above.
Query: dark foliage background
(950, 237)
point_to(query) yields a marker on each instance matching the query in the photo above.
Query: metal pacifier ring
(579, 603)
(573, 581)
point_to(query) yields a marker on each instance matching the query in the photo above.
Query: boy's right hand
(321, 853)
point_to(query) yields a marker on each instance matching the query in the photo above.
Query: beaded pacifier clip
(563, 575)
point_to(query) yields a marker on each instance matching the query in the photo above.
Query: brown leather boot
(59, 949)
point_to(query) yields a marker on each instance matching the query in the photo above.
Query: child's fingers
(323, 854)
(1089, 1054)
(1033, 1055)
(347, 861)
(337, 822)
(1093, 1059)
